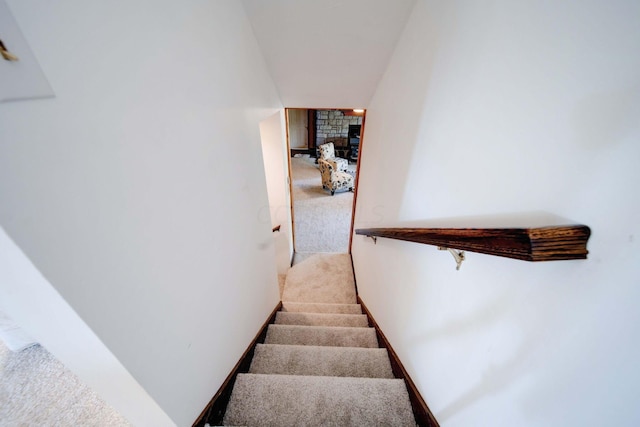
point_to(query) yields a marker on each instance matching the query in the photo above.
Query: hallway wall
(136, 191)
(527, 111)
(276, 157)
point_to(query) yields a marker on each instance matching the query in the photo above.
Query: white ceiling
(327, 53)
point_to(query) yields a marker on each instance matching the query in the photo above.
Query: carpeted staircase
(320, 363)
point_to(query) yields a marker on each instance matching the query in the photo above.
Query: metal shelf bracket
(457, 255)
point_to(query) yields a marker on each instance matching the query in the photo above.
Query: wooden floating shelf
(530, 244)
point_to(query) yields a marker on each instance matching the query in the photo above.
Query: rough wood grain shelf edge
(551, 243)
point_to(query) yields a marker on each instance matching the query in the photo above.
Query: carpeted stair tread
(291, 400)
(310, 307)
(321, 361)
(322, 319)
(321, 336)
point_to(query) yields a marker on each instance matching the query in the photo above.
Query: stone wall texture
(333, 124)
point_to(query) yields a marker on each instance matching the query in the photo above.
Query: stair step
(312, 307)
(338, 336)
(322, 319)
(291, 400)
(321, 361)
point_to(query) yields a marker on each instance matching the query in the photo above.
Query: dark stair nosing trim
(353, 269)
(213, 413)
(423, 415)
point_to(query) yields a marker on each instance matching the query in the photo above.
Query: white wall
(136, 191)
(298, 121)
(276, 167)
(498, 108)
(30, 300)
(327, 55)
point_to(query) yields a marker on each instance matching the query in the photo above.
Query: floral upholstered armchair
(333, 179)
(327, 152)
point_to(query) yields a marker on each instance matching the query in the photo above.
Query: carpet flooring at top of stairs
(322, 278)
(320, 364)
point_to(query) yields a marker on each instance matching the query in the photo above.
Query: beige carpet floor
(322, 278)
(37, 390)
(322, 222)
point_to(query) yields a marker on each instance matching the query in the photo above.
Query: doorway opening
(324, 148)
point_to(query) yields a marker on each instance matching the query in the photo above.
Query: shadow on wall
(497, 376)
(518, 345)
